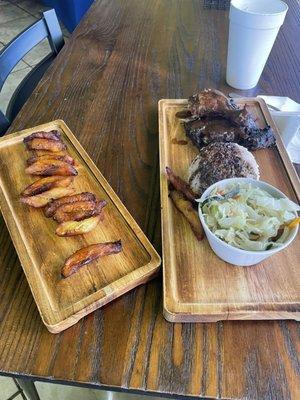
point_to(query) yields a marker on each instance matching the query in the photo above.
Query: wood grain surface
(105, 84)
(200, 287)
(62, 302)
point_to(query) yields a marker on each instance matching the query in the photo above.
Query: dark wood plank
(105, 84)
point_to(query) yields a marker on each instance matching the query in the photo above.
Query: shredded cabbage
(250, 220)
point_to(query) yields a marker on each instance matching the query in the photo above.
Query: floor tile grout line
(21, 8)
(13, 20)
(32, 15)
(25, 62)
(13, 396)
(24, 397)
(16, 19)
(22, 69)
(27, 12)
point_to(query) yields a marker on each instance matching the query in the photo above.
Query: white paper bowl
(231, 254)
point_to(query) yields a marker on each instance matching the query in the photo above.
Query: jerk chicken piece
(254, 139)
(203, 131)
(215, 118)
(241, 118)
(210, 102)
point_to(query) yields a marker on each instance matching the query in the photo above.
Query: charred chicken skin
(215, 118)
(204, 131)
(88, 254)
(210, 102)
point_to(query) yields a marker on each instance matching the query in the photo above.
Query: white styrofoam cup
(253, 27)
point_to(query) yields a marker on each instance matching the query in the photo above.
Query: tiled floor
(51, 391)
(8, 388)
(15, 16)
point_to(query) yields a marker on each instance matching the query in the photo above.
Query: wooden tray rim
(217, 309)
(148, 270)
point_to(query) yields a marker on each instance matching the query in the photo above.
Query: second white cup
(253, 27)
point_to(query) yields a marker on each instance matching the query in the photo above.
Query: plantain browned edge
(49, 168)
(45, 184)
(88, 254)
(53, 205)
(45, 144)
(52, 135)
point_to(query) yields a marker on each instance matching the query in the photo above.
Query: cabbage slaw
(250, 220)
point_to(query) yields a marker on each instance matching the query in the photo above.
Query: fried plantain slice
(51, 157)
(52, 135)
(88, 254)
(49, 168)
(39, 153)
(55, 204)
(180, 185)
(186, 208)
(40, 200)
(73, 228)
(45, 144)
(78, 211)
(44, 184)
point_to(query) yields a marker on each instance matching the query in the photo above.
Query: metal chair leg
(28, 387)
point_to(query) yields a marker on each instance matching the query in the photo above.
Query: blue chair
(69, 12)
(47, 27)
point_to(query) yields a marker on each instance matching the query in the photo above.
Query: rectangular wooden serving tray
(200, 287)
(62, 302)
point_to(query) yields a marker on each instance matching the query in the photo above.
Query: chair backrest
(4, 123)
(47, 27)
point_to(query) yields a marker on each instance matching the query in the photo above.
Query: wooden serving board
(200, 287)
(62, 302)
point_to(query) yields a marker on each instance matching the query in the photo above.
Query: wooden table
(124, 57)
